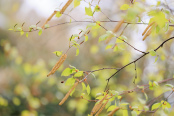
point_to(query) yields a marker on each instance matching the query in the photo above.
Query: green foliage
(124, 7)
(58, 53)
(76, 3)
(88, 11)
(70, 81)
(66, 72)
(58, 14)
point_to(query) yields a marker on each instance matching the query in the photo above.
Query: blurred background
(25, 62)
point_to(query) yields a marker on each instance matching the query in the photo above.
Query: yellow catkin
(147, 28)
(117, 27)
(61, 11)
(113, 111)
(97, 106)
(69, 92)
(101, 109)
(58, 64)
(147, 34)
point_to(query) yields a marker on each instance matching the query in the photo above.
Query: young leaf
(97, 8)
(111, 108)
(152, 53)
(26, 35)
(83, 86)
(22, 32)
(76, 3)
(66, 72)
(78, 74)
(70, 81)
(103, 37)
(169, 85)
(40, 32)
(86, 38)
(155, 106)
(165, 104)
(88, 89)
(156, 59)
(88, 11)
(47, 25)
(124, 7)
(10, 29)
(77, 52)
(108, 46)
(58, 14)
(58, 53)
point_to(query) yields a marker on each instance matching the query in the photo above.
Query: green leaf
(115, 48)
(158, 3)
(22, 32)
(70, 81)
(88, 89)
(58, 53)
(58, 14)
(32, 26)
(103, 37)
(77, 52)
(66, 72)
(111, 108)
(156, 59)
(97, 8)
(83, 86)
(119, 40)
(169, 85)
(76, 3)
(86, 38)
(10, 29)
(109, 46)
(124, 7)
(40, 32)
(47, 25)
(155, 83)
(165, 104)
(155, 106)
(26, 35)
(78, 74)
(152, 53)
(88, 11)
(19, 29)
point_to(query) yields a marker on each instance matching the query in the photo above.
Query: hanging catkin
(61, 12)
(58, 64)
(147, 28)
(148, 33)
(69, 92)
(101, 109)
(97, 106)
(117, 27)
(113, 111)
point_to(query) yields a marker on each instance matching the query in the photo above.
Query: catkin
(61, 11)
(117, 27)
(101, 109)
(58, 64)
(97, 106)
(147, 34)
(148, 28)
(113, 111)
(69, 92)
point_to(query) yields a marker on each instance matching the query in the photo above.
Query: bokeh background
(24, 62)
